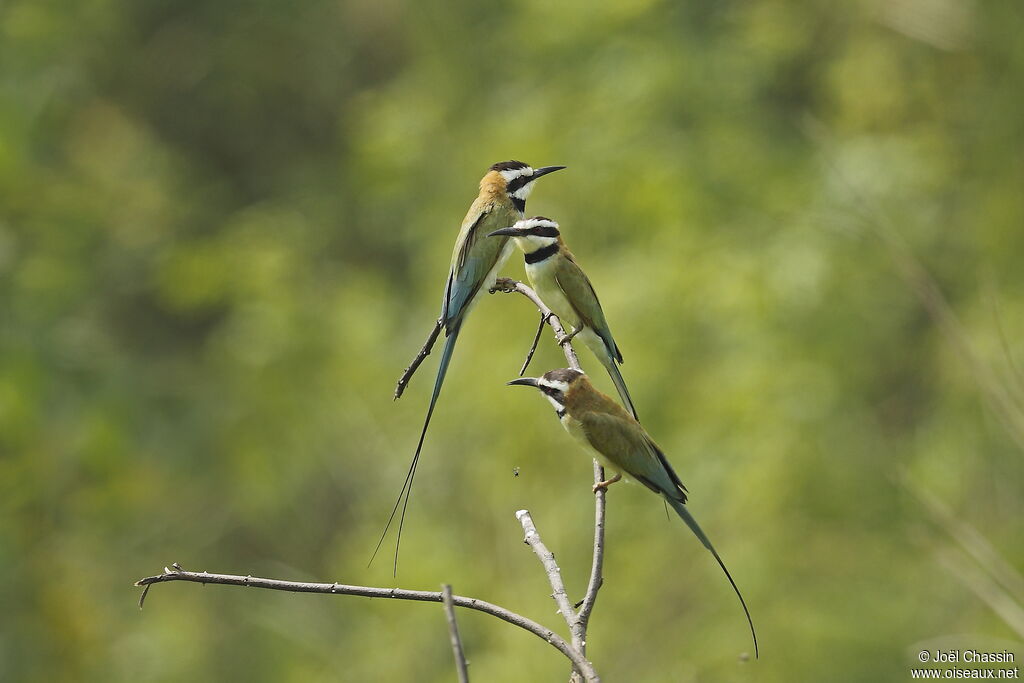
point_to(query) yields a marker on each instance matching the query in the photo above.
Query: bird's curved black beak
(511, 231)
(523, 382)
(544, 170)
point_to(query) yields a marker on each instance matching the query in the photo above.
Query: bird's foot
(603, 485)
(506, 285)
(566, 338)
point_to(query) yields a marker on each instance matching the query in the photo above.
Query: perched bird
(474, 268)
(621, 445)
(565, 289)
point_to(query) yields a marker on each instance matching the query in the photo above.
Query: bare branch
(596, 569)
(579, 662)
(453, 633)
(551, 568)
(508, 286)
(583, 670)
(428, 345)
(533, 347)
(577, 620)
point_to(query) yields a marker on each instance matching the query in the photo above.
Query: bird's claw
(566, 338)
(603, 485)
(506, 285)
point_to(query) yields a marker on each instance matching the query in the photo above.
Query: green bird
(474, 269)
(565, 289)
(620, 444)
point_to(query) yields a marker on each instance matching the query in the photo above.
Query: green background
(224, 231)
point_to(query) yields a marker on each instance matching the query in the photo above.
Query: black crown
(508, 166)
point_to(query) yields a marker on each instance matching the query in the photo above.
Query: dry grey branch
(453, 633)
(577, 620)
(597, 567)
(533, 347)
(508, 286)
(428, 345)
(580, 663)
(547, 560)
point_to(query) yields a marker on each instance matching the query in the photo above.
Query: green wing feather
(473, 258)
(581, 295)
(627, 445)
(621, 439)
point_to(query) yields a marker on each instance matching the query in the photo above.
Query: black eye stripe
(545, 231)
(552, 392)
(517, 184)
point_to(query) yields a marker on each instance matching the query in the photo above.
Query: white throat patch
(513, 173)
(523, 192)
(558, 406)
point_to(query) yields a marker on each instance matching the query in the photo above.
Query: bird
(621, 445)
(566, 290)
(475, 263)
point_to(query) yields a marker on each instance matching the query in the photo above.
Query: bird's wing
(581, 295)
(473, 258)
(627, 445)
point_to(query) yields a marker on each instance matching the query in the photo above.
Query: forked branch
(176, 573)
(576, 619)
(508, 286)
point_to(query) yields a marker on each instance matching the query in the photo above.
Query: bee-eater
(621, 445)
(476, 261)
(565, 289)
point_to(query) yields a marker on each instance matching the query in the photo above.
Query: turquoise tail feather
(681, 510)
(406, 492)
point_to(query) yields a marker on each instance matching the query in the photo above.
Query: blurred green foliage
(224, 229)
